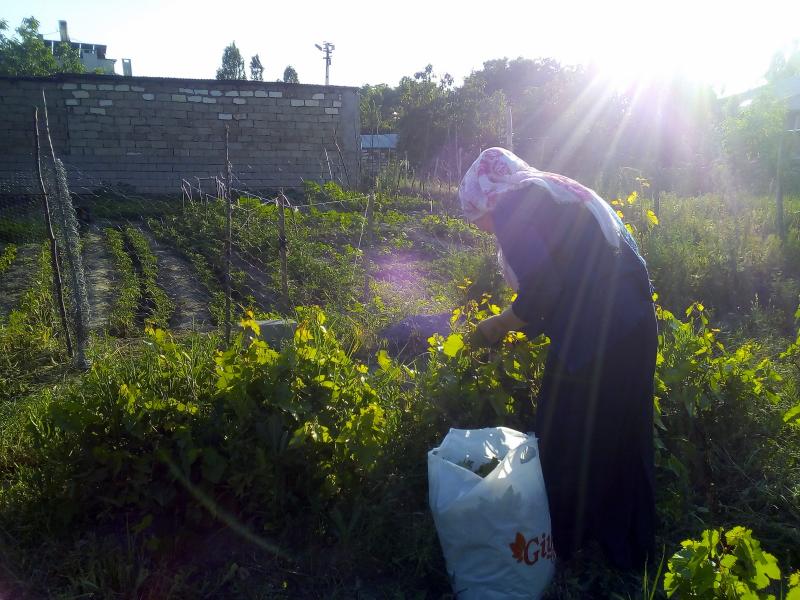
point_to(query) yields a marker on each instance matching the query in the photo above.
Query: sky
(726, 44)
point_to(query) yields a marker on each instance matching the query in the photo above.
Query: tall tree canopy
(232, 64)
(290, 75)
(27, 54)
(256, 69)
(565, 118)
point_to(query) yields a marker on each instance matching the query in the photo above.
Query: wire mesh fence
(193, 261)
(199, 258)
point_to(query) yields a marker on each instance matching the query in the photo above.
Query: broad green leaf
(384, 362)
(453, 344)
(793, 414)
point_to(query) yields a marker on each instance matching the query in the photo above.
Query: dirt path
(404, 273)
(17, 279)
(101, 278)
(176, 277)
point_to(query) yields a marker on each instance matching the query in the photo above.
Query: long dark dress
(594, 415)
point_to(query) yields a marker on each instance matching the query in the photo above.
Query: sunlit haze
(726, 44)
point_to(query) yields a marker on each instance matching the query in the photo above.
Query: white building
(93, 56)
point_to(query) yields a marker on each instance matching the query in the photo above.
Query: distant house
(376, 152)
(93, 56)
(788, 90)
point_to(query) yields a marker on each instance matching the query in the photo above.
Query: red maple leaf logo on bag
(518, 547)
(532, 550)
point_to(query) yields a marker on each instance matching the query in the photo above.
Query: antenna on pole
(327, 48)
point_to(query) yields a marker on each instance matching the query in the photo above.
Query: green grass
(173, 469)
(160, 306)
(7, 257)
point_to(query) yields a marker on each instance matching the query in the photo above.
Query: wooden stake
(228, 219)
(779, 225)
(368, 244)
(53, 244)
(81, 319)
(282, 246)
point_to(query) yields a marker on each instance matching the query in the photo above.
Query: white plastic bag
(494, 530)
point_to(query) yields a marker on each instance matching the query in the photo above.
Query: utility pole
(327, 48)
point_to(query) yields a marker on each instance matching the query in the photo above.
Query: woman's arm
(494, 328)
(528, 226)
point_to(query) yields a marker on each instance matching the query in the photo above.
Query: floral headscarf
(497, 171)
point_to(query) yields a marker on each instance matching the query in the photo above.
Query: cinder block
(232, 93)
(122, 88)
(246, 93)
(185, 91)
(239, 101)
(276, 94)
(106, 102)
(80, 94)
(209, 100)
(69, 86)
(88, 86)
(97, 111)
(296, 102)
(105, 87)
(148, 96)
(312, 102)
(137, 88)
(178, 98)
(240, 116)
(332, 111)
(318, 97)
(224, 116)
(260, 94)
(201, 92)
(216, 93)
(337, 104)
(71, 102)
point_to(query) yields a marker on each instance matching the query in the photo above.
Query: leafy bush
(724, 255)
(725, 564)
(269, 432)
(478, 387)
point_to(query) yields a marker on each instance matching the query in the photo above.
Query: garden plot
(176, 278)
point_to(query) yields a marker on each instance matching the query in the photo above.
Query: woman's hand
(493, 329)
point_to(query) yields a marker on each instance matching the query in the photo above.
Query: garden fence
(196, 260)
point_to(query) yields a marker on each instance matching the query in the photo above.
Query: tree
(232, 64)
(27, 54)
(256, 69)
(784, 66)
(290, 75)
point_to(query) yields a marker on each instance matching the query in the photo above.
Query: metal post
(282, 245)
(228, 219)
(779, 224)
(368, 244)
(53, 243)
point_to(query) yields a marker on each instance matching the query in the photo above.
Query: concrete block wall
(147, 134)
